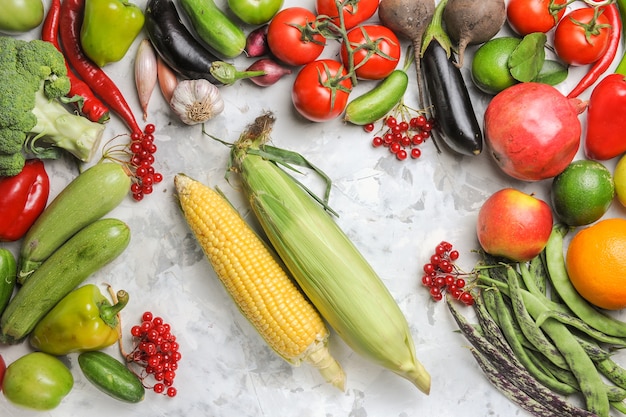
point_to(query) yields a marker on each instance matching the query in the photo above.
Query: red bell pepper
(22, 199)
(606, 115)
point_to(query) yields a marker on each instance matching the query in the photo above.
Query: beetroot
(533, 130)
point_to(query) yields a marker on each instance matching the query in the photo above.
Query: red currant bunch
(142, 149)
(156, 352)
(402, 136)
(441, 275)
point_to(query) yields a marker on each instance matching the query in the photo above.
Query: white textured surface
(396, 212)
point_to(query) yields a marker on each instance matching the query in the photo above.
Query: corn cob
(253, 275)
(328, 267)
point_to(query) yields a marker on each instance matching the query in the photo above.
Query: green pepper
(109, 28)
(83, 320)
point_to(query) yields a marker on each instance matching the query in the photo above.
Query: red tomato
(321, 89)
(292, 38)
(528, 16)
(577, 44)
(376, 53)
(354, 11)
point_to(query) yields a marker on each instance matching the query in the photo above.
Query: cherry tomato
(292, 38)
(376, 53)
(578, 40)
(528, 16)
(354, 11)
(321, 89)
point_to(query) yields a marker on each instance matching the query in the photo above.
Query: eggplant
(175, 44)
(454, 114)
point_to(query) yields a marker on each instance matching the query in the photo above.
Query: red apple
(514, 225)
(533, 130)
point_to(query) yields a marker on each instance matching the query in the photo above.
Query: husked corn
(327, 266)
(257, 282)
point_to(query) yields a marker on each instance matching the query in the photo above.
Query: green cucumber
(214, 27)
(111, 376)
(379, 101)
(8, 273)
(91, 195)
(83, 254)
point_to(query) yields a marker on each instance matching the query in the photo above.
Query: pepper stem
(108, 312)
(227, 73)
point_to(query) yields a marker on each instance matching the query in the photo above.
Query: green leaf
(552, 73)
(527, 59)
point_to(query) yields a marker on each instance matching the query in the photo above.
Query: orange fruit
(596, 263)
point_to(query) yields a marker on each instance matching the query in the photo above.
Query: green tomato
(255, 12)
(38, 381)
(20, 15)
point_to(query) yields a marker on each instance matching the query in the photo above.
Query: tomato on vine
(321, 89)
(354, 11)
(292, 37)
(529, 16)
(376, 51)
(582, 36)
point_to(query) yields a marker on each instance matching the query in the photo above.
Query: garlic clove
(196, 101)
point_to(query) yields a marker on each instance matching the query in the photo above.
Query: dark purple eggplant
(455, 119)
(175, 43)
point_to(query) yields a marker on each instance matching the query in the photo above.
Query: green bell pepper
(83, 320)
(109, 29)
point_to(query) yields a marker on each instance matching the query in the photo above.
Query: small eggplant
(453, 110)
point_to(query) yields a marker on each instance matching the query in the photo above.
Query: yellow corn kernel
(257, 282)
(326, 264)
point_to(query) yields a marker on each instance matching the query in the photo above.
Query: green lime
(582, 193)
(619, 177)
(490, 69)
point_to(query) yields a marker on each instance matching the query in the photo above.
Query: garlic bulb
(196, 101)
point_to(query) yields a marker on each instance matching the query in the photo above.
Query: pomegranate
(533, 130)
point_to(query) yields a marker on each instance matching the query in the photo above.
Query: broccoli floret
(33, 79)
(12, 163)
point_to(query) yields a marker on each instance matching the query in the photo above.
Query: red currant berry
(391, 121)
(415, 153)
(429, 268)
(159, 388)
(369, 127)
(401, 155)
(171, 392)
(149, 129)
(377, 141)
(454, 255)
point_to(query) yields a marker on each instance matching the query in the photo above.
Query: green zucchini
(91, 195)
(214, 27)
(379, 101)
(83, 254)
(8, 273)
(111, 376)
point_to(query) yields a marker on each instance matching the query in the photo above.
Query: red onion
(256, 42)
(273, 71)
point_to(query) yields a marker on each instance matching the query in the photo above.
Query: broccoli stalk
(58, 127)
(33, 119)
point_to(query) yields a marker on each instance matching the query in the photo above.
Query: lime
(582, 193)
(619, 177)
(490, 69)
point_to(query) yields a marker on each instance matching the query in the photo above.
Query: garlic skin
(196, 101)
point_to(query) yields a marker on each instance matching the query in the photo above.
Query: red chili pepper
(606, 119)
(601, 65)
(22, 199)
(70, 21)
(89, 105)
